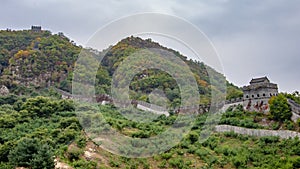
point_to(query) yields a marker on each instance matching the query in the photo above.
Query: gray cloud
(253, 38)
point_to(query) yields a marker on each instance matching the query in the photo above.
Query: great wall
(255, 98)
(285, 134)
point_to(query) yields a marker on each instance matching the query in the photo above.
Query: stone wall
(103, 99)
(257, 132)
(295, 110)
(150, 109)
(294, 106)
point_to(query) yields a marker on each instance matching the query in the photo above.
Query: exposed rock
(88, 155)
(295, 117)
(61, 165)
(4, 91)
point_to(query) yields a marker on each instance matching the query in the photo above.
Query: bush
(269, 139)
(43, 158)
(176, 162)
(82, 164)
(66, 122)
(4, 150)
(6, 166)
(289, 125)
(275, 126)
(10, 99)
(162, 164)
(81, 141)
(30, 153)
(74, 153)
(114, 163)
(66, 136)
(193, 137)
(40, 106)
(280, 108)
(296, 162)
(65, 105)
(166, 155)
(202, 153)
(231, 134)
(239, 161)
(23, 153)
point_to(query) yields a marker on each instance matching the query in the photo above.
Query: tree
(40, 106)
(43, 159)
(31, 153)
(65, 105)
(4, 150)
(21, 155)
(280, 108)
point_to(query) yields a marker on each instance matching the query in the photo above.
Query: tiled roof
(259, 80)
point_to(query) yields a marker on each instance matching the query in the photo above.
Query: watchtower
(36, 28)
(258, 93)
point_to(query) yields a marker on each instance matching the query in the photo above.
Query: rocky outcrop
(4, 91)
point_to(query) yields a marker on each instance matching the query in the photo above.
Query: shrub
(298, 122)
(30, 153)
(280, 108)
(40, 106)
(296, 162)
(43, 158)
(162, 164)
(23, 153)
(4, 150)
(66, 122)
(289, 125)
(74, 153)
(275, 126)
(193, 137)
(114, 163)
(269, 139)
(166, 155)
(82, 164)
(176, 162)
(66, 136)
(6, 166)
(239, 161)
(65, 105)
(230, 134)
(202, 153)
(80, 141)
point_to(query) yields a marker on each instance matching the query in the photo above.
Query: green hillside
(34, 131)
(32, 61)
(40, 132)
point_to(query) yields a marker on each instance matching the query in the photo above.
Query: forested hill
(35, 59)
(31, 61)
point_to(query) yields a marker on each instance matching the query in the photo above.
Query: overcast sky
(253, 38)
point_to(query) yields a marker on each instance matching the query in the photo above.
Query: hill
(32, 61)
(38, 131)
